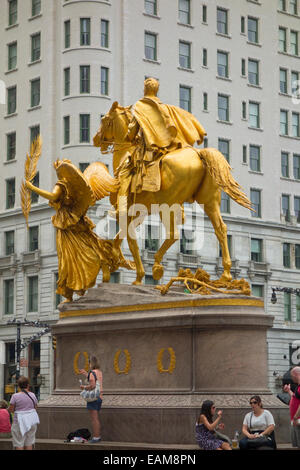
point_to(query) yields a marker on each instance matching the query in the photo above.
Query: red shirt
(4, 421)
(294, 404)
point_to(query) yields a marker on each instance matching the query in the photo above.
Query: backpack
(84, 433)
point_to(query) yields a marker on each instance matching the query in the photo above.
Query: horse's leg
(212, 210)
(172, 235)
(134, 248)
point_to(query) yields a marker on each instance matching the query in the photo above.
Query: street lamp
(19, 345)
(288, 290)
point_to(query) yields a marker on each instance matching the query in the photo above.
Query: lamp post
(288, 290)
(19, 345)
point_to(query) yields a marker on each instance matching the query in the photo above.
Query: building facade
(236, 68)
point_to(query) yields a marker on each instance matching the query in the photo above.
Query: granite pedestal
(161, 357)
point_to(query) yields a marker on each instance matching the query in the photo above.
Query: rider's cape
(164, 125)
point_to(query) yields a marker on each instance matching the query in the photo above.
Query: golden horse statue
(187, 175)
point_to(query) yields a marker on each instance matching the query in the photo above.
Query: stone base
(161, 357)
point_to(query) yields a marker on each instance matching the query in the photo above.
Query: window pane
(257, 290)
(84, 128)
(85, 25)
(35, 92)
(297, 208)
(12, 12)
(150, 46)
(104, 80)
(184, 54)
(283, 81)
(33, 294)
(282, 40)
(185, 98)
(67, 81)
(253, 72)
(104, 33)
(67, 33)
(36, 183)
(11, 100)
(222, 58)
(222, 21)
(223, 147)
(11, 146)
(35, 47)
(9, 242)
(287, 306)
(10, 193)
(9, 296)
(296, 166)
(283, 122)
(12, 56)
(255, 198)
(223, 107)
(66, 130)
(84, 79)
(295, 125)
(184, 12)
(151, 7)
(297, 260)
(252, 29)
(256, 249)
(294, 42)
(285, 164)
(254, 115)
(286, 255)
(285, 203)
(225, 203)
(33, 238)
(36, 7)
(254, 158)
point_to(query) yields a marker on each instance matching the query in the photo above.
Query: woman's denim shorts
(94, 405)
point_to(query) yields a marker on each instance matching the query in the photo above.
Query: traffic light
(54, 342)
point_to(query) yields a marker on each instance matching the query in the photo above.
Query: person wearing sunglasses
(206, 428)
(258, 427)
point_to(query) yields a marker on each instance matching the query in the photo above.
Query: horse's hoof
(137, 283)
(157, 271)
(226, 277)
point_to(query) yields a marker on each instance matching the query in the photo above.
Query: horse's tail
(220, 170)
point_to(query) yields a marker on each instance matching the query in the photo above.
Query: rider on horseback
(155, 130)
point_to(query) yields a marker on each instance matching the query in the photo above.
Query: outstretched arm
(54, 196)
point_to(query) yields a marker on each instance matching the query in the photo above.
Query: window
(294, 42)
(204, 13)
(295, 84)
(297, 257)
(243, 67)
(83, 166)
(104, 33)
(33, 286)
(254, 158)
(286, 249)
(34, 133)
(285, 207)
(253, 72)
(242, 24)
(35, 7)
(8, 296)
(185, 54)
(151, 7)
(35, 92)
(35, 182)
(104, 80)
(58, 297)
(293, 7)
(297, 208)
(222, 60)
(205, 101)
(244, 110)
(222, 21)
(282, 39)
(282, 5)
(184, 11)
(257, 290)
(33, 241)
(297, 308)
(11, 146)
(9, 242)
(244, 153)
(283, 122)
(67, 25)
(285, 164)
(85, 31)
(223, 107)
(204, 57)
(152, 237)
(12, 100)
(287, 306)
(295, 125)
(185, 97)
(66, 130)
(151, 46)
(84, 127)
(255, 197)
(225, 203)
(186, 242)
(296, 166)
(12, 56)
(12, 12)
(67, 81)
(256, 250)
(35, 47)
(223, 147)
(283, 80)
(254, 115)
(84, 79)
(10, 193)
(252, 30)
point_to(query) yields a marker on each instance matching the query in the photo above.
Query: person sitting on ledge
(258, 427)
(206, 427)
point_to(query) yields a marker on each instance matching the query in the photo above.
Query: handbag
(261, 440)
(91, 395)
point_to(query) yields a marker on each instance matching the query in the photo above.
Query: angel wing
(100, 180)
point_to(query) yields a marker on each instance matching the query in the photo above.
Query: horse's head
(114, 127)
